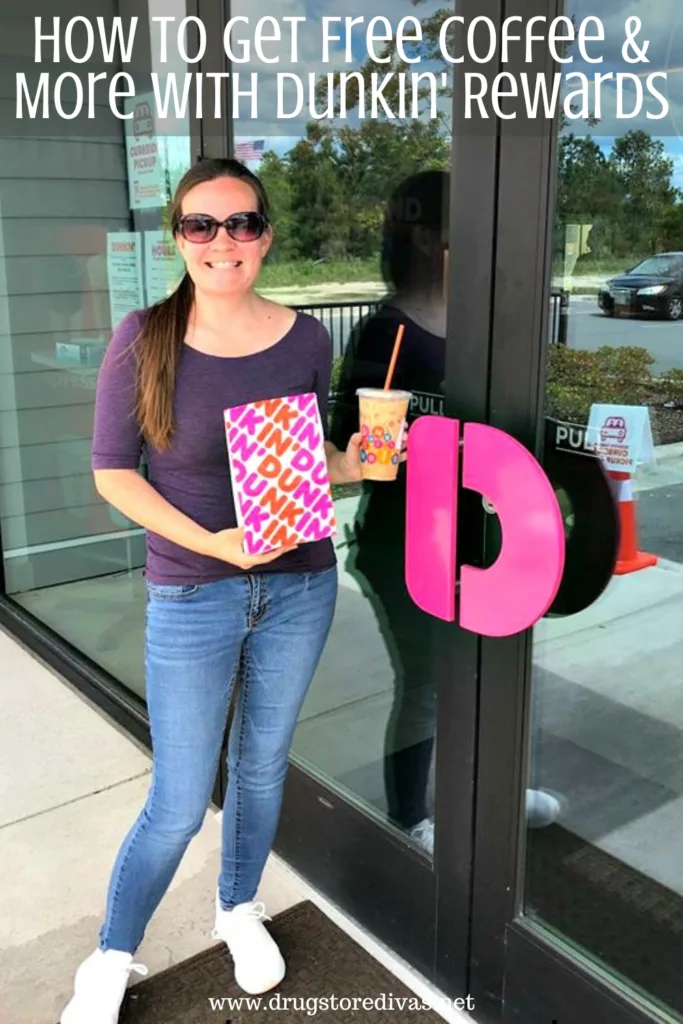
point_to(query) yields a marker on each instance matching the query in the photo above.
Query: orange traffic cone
(629, 559)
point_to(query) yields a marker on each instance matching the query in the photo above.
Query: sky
(662, 26)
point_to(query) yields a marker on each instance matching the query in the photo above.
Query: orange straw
(394, 357)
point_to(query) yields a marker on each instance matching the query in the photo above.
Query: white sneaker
(258, 962)
(99, 988)
(542, 809)
(423, 833)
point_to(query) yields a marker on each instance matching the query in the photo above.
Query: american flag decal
(250, 150)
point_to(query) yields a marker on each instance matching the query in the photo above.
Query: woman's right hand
(135, 497)
(227, 546)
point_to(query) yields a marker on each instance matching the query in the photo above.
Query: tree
(670, 228)
(645, 174)
(588, 192)
(274, 174)
(628, 197)
(587, 186)
(340, 176)
(328, 194)
(321, 214)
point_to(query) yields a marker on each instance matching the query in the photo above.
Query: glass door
(606, 682)
(585, 922)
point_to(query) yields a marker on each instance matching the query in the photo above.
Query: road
(587, 328)
(590, 329)
(660, 513)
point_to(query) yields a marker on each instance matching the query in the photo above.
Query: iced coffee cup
(382, 425)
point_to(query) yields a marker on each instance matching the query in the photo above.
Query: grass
(299, 273)
(607, 266)
(302, 272)
(600, 269)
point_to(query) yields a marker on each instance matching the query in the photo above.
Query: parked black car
(652, 288)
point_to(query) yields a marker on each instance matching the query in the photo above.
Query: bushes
(577, 379)
(337, 366)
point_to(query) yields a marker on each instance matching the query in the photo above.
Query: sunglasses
(242, 227)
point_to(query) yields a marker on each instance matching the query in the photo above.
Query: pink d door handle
(517, 590)
(432, 514)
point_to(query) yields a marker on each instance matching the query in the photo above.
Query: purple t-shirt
(193, 474)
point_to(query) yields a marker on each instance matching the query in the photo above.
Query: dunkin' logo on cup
(378, 445)
(514, 593)
(382, 425)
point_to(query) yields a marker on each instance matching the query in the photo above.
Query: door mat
(629, 921)
(322, 962)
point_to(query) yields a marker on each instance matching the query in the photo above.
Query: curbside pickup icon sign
(621, 435)
(519, 588)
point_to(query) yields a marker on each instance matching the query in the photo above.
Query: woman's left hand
(404, 445)
(350, 466)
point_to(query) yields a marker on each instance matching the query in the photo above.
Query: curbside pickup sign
(621, 435)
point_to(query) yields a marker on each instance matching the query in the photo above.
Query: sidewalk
(71, 784)
(667, 470)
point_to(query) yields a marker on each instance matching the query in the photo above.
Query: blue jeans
(267, 631)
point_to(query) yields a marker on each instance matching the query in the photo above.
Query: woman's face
(223, 266)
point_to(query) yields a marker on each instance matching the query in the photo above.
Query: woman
(214, 615)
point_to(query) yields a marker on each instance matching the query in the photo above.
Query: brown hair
(422, 200)
(160, 343)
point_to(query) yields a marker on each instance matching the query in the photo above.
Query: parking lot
(588, 328)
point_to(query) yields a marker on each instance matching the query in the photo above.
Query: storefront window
(83, 241)
(607, 736)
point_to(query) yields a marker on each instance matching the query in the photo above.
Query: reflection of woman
(213, 614)
(415, 259)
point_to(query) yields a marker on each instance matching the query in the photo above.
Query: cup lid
(390, 393)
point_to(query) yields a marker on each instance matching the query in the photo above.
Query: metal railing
(340, 318)
(559, 316)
